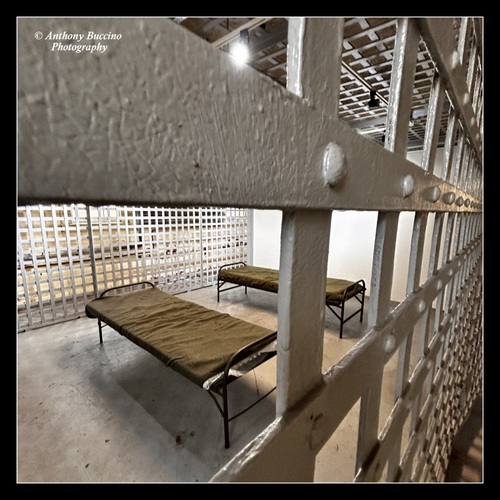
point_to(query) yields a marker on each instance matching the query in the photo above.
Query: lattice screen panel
(70, 253)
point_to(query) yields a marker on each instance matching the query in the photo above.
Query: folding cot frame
(355, 290)
(254, 354)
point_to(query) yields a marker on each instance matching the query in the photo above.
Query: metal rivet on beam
(421, 305)
(432, 194)
(334, 166)
(408, 185)
(449, 198)
(455, 59)
(389, 343)
(460, 201)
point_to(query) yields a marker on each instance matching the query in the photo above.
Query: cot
(338, 291)
(209, 348)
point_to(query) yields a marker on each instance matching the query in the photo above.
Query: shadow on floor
(466, 459)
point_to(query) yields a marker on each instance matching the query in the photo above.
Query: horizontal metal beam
(161, 117)
(233, 35)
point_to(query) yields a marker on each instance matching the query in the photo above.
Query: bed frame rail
(221, 283)
(359, 295)
(221, 387)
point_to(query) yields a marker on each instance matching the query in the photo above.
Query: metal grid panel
(54, 275)
(439, 320)
(69, 254)
(433, 337)
(367, 63)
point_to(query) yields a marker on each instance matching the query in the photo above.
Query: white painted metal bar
(442, 48)
(304, 240)
(25, 300)
(197, 165)
(398, 116)
(449, 146)
(405, 351)
(90, 232)
(46, 256)
(60, 277)
(402, 79)
(348, 379)
(74, 262)
(433, 124)
(201, 164)
(379, 307)
(69, 250)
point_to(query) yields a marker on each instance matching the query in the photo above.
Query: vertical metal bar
(143, 213)
(110, 255)
(435, 244)
(169, 249)
(22, 269)
(90, 232)
(103, 282)
(416, 251)
(301, 309)
(305, 234)
(433, 124)
(174, 240)
(398, 116)
(69, 248)
(379, 307)
(128, 243)
(250, 235)
(402, 78)
(46, 252)
(201, 211)
(59, 260)
(135, 214)
(161, 247)
(119, 222)
(81, 249)
(405, 350)
(463, 37)
(449, 145)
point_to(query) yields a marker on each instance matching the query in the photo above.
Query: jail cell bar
(265, 163)
(68, 254)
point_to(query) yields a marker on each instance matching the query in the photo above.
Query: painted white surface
(162, 117)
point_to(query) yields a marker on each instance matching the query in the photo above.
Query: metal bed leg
(342, 319)
(362, 307)
(100, 330)
(225, 415)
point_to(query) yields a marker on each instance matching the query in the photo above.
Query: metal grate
(367, 60)
(69, 254)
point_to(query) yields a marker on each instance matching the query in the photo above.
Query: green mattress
(191, 339)
(267, 279)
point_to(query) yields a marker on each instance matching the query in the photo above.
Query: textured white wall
(351, 243)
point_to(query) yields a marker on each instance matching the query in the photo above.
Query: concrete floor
(113, 413)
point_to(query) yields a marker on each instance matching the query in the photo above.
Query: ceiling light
(374, 102)
(241, 49)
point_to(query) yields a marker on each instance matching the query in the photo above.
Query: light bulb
(240, 53)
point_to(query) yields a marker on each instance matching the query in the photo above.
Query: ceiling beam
(252, 24)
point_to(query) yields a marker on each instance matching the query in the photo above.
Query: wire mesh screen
(68, 254)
